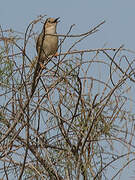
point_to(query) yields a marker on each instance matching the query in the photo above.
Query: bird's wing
(38, 43)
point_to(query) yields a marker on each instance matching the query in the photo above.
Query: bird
(46, 45)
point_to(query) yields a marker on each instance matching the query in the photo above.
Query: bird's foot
(56, 54)
(42, 66)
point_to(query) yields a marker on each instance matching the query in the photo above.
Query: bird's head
(50, 25)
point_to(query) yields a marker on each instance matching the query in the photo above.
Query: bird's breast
(50, 45)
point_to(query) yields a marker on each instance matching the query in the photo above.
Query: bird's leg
(42, 65)
(56, 54)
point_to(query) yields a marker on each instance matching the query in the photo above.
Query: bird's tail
(36, 78)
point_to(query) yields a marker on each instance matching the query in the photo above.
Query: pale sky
(119, 16)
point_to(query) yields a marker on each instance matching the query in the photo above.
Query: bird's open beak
(56, 20)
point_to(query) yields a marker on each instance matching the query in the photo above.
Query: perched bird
(46, 45)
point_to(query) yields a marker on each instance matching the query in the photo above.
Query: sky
(119, 16)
